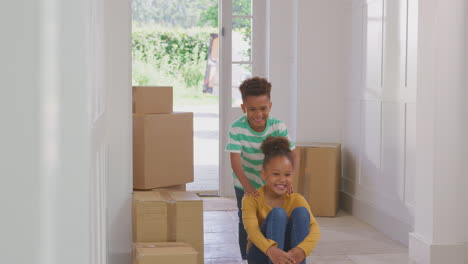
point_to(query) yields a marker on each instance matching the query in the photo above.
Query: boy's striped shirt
(244, 140)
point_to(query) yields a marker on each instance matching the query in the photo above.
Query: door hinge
(222, 32)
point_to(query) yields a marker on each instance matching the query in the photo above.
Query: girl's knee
(279, 212)
(301, 212)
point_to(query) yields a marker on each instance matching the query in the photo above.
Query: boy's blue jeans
(288, 233)
(242, 233)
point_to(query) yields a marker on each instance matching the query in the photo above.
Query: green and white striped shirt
(244, 140)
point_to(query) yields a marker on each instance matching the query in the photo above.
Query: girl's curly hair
(276, 147)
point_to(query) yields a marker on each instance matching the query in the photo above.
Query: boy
(245, 137)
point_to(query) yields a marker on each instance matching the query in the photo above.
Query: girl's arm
(251, 224)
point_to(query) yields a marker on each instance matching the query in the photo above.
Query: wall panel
(379, 154)
(373, 48)
(393, 140)
(410, 153)
(369, 174)
(351, 140)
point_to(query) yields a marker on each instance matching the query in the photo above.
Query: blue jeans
(288, 233)
(242, 233)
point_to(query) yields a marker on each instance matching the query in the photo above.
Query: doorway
(243, 54)
(204, 49)
(175, 43)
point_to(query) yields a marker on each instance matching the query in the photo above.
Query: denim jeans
(242, 233)
(288, 233)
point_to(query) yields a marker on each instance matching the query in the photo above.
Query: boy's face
(257, 109)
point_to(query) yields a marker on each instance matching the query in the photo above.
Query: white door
(242, 55)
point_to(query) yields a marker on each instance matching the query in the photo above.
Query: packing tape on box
(160, 244)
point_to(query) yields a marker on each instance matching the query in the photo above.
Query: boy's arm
(295, 157)
(236, 166)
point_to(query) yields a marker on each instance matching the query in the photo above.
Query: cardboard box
(164, 252)
(162, 215)
(188, 219)
(319, 176)
(149, 216)
(152, 99)
(179, 188)
(298, 171)
(162, 150)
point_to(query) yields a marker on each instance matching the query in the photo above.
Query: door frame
(227, 112)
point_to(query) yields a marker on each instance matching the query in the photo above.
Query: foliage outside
(174, 57)
(170, 41)
(176, 13)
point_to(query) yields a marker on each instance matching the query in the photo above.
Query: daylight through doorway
(175, 43)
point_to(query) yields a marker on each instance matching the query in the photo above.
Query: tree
(209, 17)
(173, 13)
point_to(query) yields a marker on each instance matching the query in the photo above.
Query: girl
(280, 226)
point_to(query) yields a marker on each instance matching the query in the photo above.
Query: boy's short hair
(255, 86)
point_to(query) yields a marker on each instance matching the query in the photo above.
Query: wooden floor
(344, 239)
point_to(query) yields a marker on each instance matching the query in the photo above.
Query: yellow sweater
(255, 210)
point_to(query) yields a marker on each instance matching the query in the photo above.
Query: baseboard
(419, 249)
(393, 228)
(425, 252)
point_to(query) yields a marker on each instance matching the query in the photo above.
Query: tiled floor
(344, 240)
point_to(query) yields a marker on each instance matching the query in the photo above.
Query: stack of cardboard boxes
(318, 176)
(162, 140)
(167, 220)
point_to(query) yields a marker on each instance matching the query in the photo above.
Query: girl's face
(257, 109)
(278, 175)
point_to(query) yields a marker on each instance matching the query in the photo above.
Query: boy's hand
(278, 256)
(290, 189)
(236, 166)
(250, 190)
(297, 254)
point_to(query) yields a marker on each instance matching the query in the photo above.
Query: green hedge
(178, 53)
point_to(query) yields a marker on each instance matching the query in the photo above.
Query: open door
(242, 55)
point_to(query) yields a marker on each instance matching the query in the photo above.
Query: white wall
(117, 74)
(361, 97)
(321, 62)
(282, 60)
(45, 133)
(306, 65)
(439, 233)
(379, 133)
(65, 145)
(19, 166)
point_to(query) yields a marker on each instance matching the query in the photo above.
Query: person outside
(245, 137)
(280, 226)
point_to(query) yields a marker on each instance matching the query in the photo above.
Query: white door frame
(259, 59)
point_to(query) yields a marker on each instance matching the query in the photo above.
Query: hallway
(386, 79)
